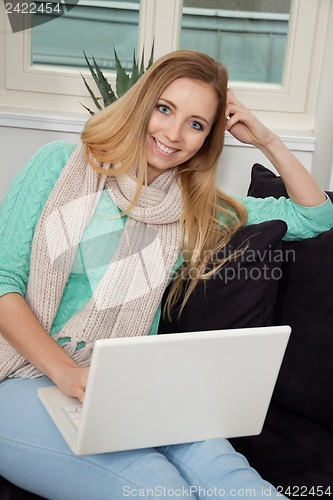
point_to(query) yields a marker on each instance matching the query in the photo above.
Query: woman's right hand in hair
(244, 126)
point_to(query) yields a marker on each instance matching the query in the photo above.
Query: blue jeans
(35, 457)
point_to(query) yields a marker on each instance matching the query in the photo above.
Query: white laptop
(174, 388)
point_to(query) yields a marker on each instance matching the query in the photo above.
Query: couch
(295, 449)
(275, 282)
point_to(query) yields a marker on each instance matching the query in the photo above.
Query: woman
(145, 174)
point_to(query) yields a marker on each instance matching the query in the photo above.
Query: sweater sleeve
(303, 222)
(21, 210)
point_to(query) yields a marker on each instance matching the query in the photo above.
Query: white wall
(17, 145)
(323, 155)
(236, 162)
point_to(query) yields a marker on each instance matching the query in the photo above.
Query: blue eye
(196, 125)
(163, 108)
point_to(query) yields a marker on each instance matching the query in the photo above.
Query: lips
(162, 147)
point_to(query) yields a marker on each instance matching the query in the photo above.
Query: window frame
(304, 46)
(53, 89)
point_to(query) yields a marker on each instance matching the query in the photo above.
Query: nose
(174, 131)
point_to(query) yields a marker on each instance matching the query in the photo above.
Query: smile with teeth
(164, 148)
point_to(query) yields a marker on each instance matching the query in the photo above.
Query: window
(249, 37)
(93, 26)
(46, 60)
(42, 69)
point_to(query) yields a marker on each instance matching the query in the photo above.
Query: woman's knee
(214, 466)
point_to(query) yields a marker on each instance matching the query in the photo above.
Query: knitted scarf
(125, 300)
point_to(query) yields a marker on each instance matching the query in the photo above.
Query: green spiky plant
(124, 81)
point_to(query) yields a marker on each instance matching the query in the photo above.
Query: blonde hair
(117, 134)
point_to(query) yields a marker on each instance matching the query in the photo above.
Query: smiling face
(181, 121)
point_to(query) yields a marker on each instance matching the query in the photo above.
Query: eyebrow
(192, 116)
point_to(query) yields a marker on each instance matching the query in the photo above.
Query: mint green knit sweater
(30, 190)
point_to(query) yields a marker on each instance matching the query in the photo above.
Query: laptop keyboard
(74, 414)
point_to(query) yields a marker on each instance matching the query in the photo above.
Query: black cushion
(305, 302)
(8, 491)
(292, 452)
(243, 292)
(265, 183)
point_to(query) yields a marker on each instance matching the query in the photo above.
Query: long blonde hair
(117, 134)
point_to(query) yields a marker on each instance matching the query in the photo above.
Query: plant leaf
(91, 69)
(104, 86)
(135, 72)
(150, 62)
(92, 95)
(142, 65)
(122, 82)
(88, 109)
(151, 59)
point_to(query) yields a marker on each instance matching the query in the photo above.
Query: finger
(233, 118)
(232, 99)
(230, 122)
(236, 109)
(230, 94)
(80, 395)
